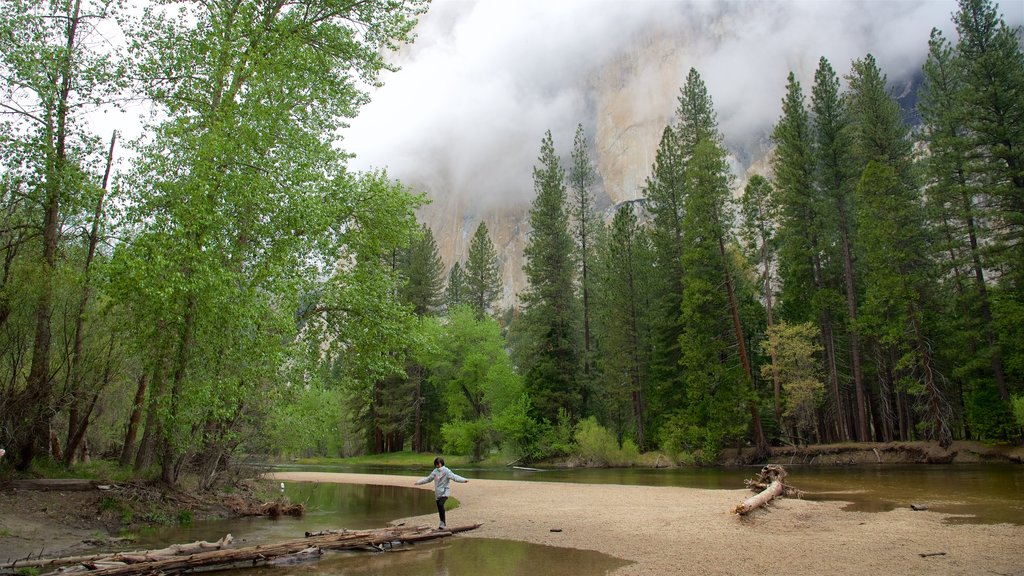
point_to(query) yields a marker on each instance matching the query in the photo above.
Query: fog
(485, 79)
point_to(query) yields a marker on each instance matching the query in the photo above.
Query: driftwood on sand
(769, 484)
(219, 556)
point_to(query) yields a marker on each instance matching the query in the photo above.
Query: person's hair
(438, 460)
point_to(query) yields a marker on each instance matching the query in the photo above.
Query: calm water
(975, 493)
(333, 506)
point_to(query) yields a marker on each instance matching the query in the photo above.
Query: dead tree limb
(770, 482)
(379, 539)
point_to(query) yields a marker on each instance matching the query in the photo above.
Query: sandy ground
(669, 530)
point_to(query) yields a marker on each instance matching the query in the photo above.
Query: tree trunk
(171, 463)
(760, 442)
(133, 422)
(39, 387)
(151, 435)
(76, 423)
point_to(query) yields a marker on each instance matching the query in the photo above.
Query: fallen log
(756, 501)
(771, 478)
(263, 554)
(123, 557)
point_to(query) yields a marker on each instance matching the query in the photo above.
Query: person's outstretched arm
(432, 475)
(456, 477)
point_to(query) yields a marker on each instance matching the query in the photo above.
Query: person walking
(442, 476)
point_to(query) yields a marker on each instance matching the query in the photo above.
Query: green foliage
(1018, 409)
(623, 318)
(988, 416)
(468, 364)
(306, 422)
(689, 441)
(597, 446)
(796, 350)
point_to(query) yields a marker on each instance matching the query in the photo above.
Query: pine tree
(422, 268)
(456, 292)
(582, 177)
(895, 251)
(718, 383)
(623, 318)
(835, 176)
(992, 62)
(549, 301)
(804, 236)
(758, 231)
(663, 194)
(482, 277)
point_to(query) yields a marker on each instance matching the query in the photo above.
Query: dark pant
(440, 507)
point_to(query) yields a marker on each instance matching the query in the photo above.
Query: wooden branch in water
(263, 554)
(123, 557)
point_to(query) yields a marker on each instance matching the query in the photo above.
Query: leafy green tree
(623, 319)
(242, 207)
(53, 76)
(470, 366)
(482, 276)
(795, 349)
(550, 313)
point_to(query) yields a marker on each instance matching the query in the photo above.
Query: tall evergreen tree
(718, 383)
(896, 299)
(895, 250)
(549, 300)
(482, 277)
(992, 62)
(456, 292)
(582, 177)
(835, 176)
(422, 270)
(804, 236)
(952, 209)
(663, 195)
(758, 231)
(623, 318)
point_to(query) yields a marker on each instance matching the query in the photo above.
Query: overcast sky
(486, 78)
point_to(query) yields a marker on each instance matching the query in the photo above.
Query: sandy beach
(671, 530)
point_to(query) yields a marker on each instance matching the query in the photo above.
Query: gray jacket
(441, 477)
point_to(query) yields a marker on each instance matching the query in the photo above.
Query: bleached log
(132, 557)
(756, 501)
(253, 555)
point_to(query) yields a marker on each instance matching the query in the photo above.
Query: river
(972, 493)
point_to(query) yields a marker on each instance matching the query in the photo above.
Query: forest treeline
(236, 289)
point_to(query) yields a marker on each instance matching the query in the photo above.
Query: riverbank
(671, 530)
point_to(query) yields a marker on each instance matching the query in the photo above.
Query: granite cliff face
(630, 100)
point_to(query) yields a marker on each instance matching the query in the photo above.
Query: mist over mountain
(463, 118)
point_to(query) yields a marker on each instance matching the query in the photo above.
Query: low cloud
(485, 79)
